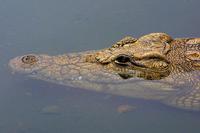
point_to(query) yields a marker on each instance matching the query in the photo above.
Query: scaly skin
(155, 66)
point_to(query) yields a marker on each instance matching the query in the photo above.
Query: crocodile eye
(29, 59)
(123, 60)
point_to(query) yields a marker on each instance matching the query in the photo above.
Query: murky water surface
(60, 26)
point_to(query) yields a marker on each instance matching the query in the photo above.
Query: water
(55, 27)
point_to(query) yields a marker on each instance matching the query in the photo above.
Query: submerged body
(154, 66)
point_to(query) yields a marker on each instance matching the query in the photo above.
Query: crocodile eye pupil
(29, 59)
(123, 60)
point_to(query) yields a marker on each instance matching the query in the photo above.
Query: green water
(60, 26)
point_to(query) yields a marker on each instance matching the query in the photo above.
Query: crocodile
(154, 66)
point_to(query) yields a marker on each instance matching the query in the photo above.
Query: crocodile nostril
(29, 59)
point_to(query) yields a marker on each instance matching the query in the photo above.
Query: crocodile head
(120, 68)
(154, 56)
